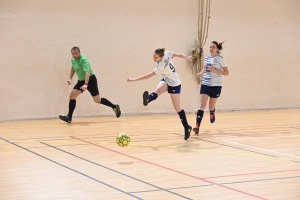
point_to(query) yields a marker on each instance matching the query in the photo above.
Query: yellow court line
(142, 121)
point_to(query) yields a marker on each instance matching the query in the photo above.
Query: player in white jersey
(171, 83)
(215, 67)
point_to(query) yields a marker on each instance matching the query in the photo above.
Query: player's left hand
(190, 58)
(84, 87)
(199, 74)
(212, 69)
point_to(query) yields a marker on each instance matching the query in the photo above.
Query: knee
(72, 96)
(202, 105)
(97, 100)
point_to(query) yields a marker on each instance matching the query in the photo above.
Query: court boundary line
(226, 183)
(255, 173)
(178, 188)
(285, 149)
(262, 149)
(237, 148)
(110, 169)
(215, 149)
(111, 122)
(170, 169)
(257, 138)
(66, 167)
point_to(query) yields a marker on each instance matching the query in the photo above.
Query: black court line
(40, 138)
(71, 169)
(86, 137)
(173, 188)
(95, 139)
(237, 148)
(267, 179)
(66, 145)
(228, 183)
(159, 188)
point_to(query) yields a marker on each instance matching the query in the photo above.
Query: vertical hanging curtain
(203, 24)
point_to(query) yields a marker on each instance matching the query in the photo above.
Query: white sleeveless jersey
(211, 79)
(167, 70)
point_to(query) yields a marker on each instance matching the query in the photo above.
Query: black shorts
(92, 85)
(173, 89)
(211, 91)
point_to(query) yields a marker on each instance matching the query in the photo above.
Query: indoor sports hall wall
(261, 49)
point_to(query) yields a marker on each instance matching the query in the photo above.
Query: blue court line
(159, 188)
(237, 148)
(228, 183)
(70, 169)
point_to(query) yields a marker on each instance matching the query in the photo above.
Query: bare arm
(223, 72)
(87, 77)
(72, 72)
(181, 55)
(200, 73)
(146, 76)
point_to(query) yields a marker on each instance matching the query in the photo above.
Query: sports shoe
(196, 130)
(187, 133)
(212, 117)
(65, 118)
(145, 98)
(117, 110)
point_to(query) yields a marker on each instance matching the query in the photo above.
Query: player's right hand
(199, 74)
(69, 82)
(130, 79)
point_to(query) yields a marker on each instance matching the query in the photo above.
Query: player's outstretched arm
(146, 76)
(181, 55)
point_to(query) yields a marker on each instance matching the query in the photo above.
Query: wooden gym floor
(243, 155)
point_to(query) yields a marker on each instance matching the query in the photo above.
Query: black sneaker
(145, 98)
(117, 110)
(65, 118)
(196, 130)
(187, 133)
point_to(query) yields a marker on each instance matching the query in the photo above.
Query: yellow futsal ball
(123, 140)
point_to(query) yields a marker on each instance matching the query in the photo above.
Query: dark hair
(219, 45)
(75, 49)
(160, 51)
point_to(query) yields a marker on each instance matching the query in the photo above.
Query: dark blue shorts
(211, 91)
(173, 89)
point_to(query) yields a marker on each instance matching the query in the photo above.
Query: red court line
(170, 169)
(292, 170)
